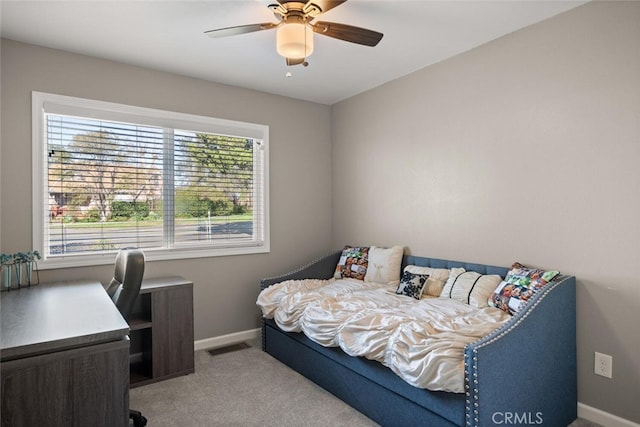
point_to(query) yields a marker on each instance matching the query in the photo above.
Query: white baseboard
(225, 340)
(603, 418)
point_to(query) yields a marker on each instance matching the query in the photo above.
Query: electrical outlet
(603, 365)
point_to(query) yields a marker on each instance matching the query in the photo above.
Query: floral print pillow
(412, 284)
(519, 286)
(353, 263)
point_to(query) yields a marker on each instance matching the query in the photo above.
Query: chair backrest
(127, 278)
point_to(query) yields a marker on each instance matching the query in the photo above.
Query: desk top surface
(57, 316)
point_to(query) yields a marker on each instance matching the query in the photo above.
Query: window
(110, 176)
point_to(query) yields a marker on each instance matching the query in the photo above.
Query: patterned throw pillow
(437, 278)
(353, 263)
(519, 286)
(412, 284)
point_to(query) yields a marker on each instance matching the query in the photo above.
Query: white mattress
(422, 341)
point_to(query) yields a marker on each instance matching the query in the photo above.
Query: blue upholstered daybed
(523, 373)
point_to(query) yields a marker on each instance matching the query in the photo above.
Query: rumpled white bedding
(422, 341)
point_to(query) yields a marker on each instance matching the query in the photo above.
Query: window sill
(150, 256)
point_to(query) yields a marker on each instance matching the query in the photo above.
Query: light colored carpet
(246, 388)
(242, 388)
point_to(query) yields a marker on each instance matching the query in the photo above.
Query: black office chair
(123, 290)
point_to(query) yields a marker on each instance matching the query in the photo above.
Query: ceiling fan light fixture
(294, 40)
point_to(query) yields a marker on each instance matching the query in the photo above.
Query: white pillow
(435, 282)
(384, 265)
(470, 287)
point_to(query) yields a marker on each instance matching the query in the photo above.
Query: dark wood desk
(64, 351)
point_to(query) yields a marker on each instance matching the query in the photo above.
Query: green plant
(9, 259)
(93, 215)
(238, 209)
(21, 257)
(6, 259)
(126, 210)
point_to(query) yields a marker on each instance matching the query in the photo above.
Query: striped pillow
(470, 287)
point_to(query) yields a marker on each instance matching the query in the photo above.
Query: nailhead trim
(493, 337)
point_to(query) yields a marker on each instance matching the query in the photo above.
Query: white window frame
(60, 104)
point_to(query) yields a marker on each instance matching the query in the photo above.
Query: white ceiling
(169, 36)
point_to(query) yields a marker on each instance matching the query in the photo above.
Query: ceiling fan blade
(348, 33)
(294, 61)
(241, 29)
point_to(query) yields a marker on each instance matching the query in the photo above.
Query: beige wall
(527, 149)
(300, 149)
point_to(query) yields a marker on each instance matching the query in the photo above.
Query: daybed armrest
(525, 372)
(322, 268)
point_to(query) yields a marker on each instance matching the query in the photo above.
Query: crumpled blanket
(422, 341)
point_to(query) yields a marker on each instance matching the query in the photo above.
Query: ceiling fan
(294, 39)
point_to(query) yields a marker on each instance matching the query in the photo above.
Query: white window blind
(115, 176)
